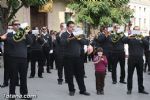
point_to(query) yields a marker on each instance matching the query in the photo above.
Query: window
(68, 16)
(144, 9)
(139, 8)
(134, 8)
(144, 22)
(140, 23)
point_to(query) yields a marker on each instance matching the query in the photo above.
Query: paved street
(48, 89)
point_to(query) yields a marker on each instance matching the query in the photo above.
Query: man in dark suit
(37, 55)
(135, 60)
(6, 63)
(147, 55)
(17, 54)
(118, 55)
(104, 42)
(73, 61)
(59, 55)
(47, 47)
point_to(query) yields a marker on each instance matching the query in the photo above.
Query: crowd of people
(69, 54)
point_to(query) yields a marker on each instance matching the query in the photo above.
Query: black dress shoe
(123, 82)
(129, 92)
(114, 82)
(26, 98)
(85, 93)
(102, 92)
(17, 84)
(66, 81)
(143, 92)
(40, 76)
(49, 72)
(109, 70)
(71, 93)
(4, 85)
(98, 92)
(31, 77)
(11, 99)
(60, 82)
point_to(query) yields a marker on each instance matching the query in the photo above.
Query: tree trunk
(3, 22)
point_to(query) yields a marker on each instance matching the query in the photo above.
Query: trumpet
(20, 34)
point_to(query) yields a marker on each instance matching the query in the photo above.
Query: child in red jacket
(100, 62)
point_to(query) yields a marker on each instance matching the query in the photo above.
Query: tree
(8, 13)
(101, 12)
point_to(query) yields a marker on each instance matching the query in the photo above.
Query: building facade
(141, 14)
(60, 13)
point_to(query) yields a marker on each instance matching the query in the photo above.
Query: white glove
(85, 48)
(51, 51)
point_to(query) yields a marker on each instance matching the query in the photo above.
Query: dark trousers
(135, 62)
(6, 69)
(52, 59)
(147, 60)
(7, 65)
(73, 67)
(90, 57)
(60, 66)
(47, 60)
(109, 58)
(18, 65)
(83, 61)
(37, 56)
(85, 58)
(100, 78)
(118, 57)
(28, 57)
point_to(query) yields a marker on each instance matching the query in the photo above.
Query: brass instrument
(20, 34)
(78, 33)
(116, 37)
(137, 36)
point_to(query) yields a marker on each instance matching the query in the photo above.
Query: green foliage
(101, 12)
(15, 5)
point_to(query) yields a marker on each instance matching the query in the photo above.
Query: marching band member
(104, 40)
(59, 55)
(73, 63)
(47, 46)
(147, 55)
(136, 44)
(37, 54)
(15, 46)
(118, 54)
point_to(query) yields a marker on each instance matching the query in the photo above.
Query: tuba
(20, 34)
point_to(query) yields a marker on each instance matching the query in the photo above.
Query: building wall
(54, 18)
(23, 15)
(57, 15)
(141, 14)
